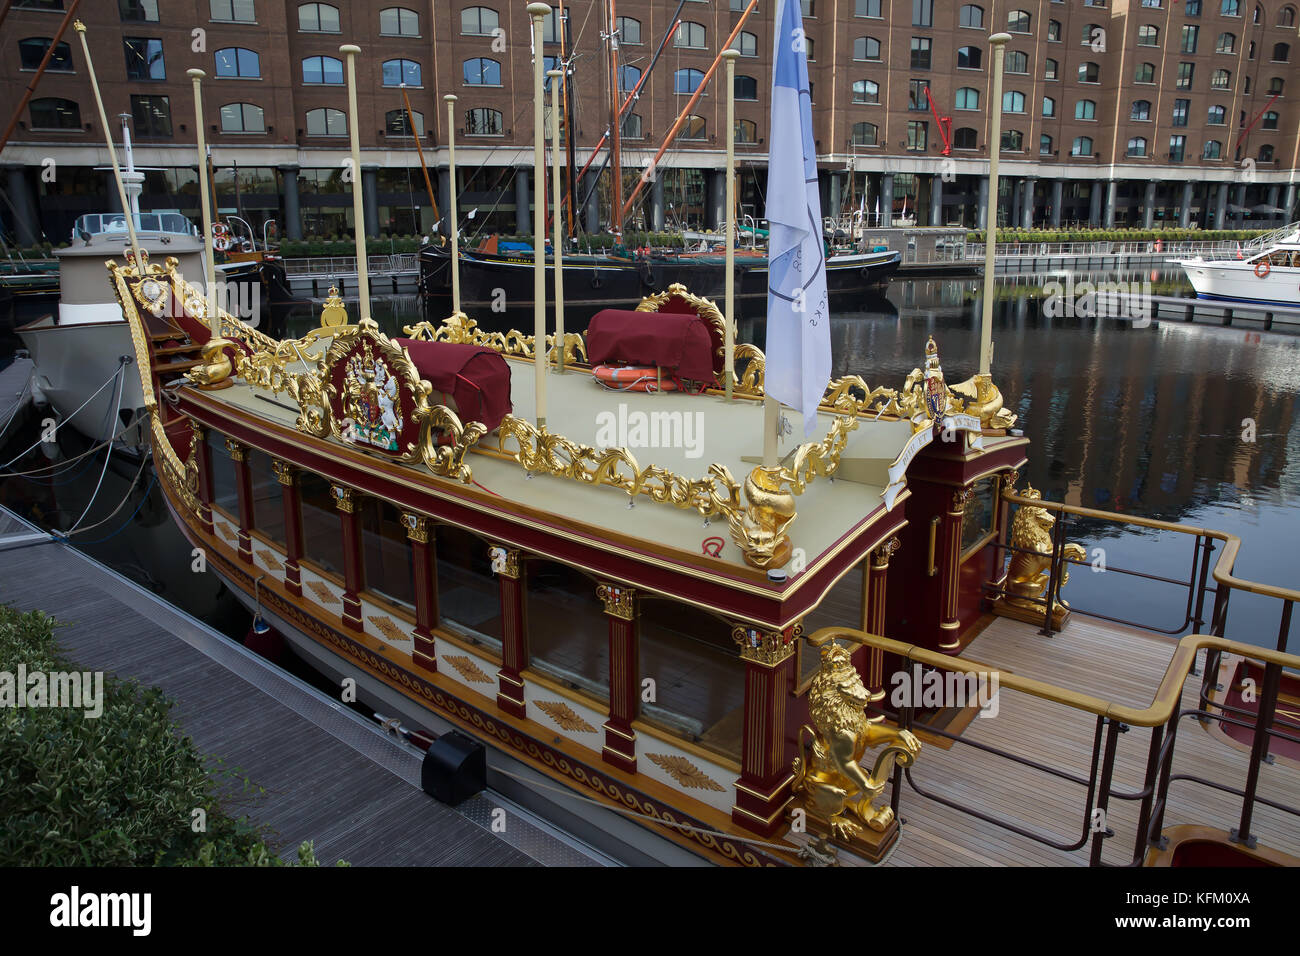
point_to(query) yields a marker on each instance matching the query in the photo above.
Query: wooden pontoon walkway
(330, 776)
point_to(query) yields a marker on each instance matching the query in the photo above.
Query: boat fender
(1262, 269)
(633, 378)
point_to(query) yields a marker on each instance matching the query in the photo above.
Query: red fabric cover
(680, 342)
(477, 378)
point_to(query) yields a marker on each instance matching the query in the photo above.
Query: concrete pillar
(523, 215)
(833, 206)
(1057, 196)
(981, 215)
(1185, 208)
(1273, 192)
(1149, 204)
(370, 194)
(657, 205)
(1016, 194)
(1240, 201)
(1112, 189)
(1220, 208)
(1289, 202)
(1094, 204)
(936, 200)
(444, 200)
(289, 190)
(1030, 183)
(887, 200)
(26, 225)
(715, 212)
(593, 204)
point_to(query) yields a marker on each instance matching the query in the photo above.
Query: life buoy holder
(220, 230)
(634, 378)
(221, 243)
(1262, 268)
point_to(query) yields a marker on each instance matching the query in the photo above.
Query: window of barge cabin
(841, 607)
(979, 519)
(225, 493)
(268, 502)
(568, 632)
(699, 677)
(386, 557)
(322, 528)
(469, 595)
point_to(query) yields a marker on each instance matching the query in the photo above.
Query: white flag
(798, 315)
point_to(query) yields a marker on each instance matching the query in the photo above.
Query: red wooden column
(514, 630)
(763, 790)
(424, 565)
(624, 676)
(287, 476)
(871, 665)
(950, 565)
(244, 486)
(344, 500)
(201, 455)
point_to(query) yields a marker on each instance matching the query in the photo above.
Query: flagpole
(729, 335)
(999, 43)
(214, 319)
(539, 11)
(557, 264)
(350, 50)
(452, 212)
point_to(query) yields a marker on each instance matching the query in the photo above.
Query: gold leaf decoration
(227, 532)
(468, 669)
(323, 593)
(271, 561)
(388, 627)
(564, 715)
(686, 773)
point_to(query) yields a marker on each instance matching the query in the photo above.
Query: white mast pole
(539, 11)
(556, 77)
(214, 319)
(999, 43)
(729, 302)
(453, 217)
(358, 208)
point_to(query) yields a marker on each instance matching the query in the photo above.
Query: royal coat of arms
(372, 413)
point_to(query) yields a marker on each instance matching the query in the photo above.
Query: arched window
(747, 44)
(629, 30)
(690, 35)
(1148, 35)
(693, 128)
(968, 98)
(972, 16)
(1051, 69)
(478, 21)
(746, 131)
(322, 70)
(397, 72)
(1085, 110)
(481, 121)
(1082, 146)
(1281, 52)
(1089, 73)
(1013, 141)
(628, 77)
(482, 71)
(1013, 101)
(747, 88)
(866, 48)
(1145, 73)
(1215, 116)
(242, 118)
(52, 112)
(1018, 21)
(1092, 34)
(1045, 145)
(1017, 62)
(1220, 80)
(1270, 120)
(1049, 106)
(1286, 17)
(964, 138)
(866, 91)
(1266, 153)
(397, 124)
(237, 61)
(399, 22)
(32, 50)
(632, 128)
(687, 81)
(1213, 150)
(968, 57)
(864, 134)
(318, 18)
(1227, 43)
(1137, 146)
(327, 122)
(1141, 110)
(1054, 31)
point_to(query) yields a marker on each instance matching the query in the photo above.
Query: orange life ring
(220, 230)
(633, 378)
(221, 243)
(1262, 268)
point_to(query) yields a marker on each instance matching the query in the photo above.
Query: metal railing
(378, 265)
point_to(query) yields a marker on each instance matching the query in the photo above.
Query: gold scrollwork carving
(343, 498)
(883, 552)
(961, 498)
(237, 450)
(685, 773)
(766, 647)
(505, 561)
(619, 601)
(417, 527)
(285, 473)
(564, 716)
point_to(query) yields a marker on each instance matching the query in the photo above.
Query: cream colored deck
(1122, 665)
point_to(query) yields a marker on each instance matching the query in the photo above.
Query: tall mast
(568, 119)
(616, 186)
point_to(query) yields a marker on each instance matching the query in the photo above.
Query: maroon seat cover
(678, 342)
(477, 378)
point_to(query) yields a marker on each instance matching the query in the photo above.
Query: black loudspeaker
(454, 768)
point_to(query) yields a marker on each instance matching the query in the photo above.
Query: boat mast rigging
(616, 209)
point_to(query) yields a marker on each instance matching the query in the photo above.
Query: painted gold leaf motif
(325, 594)
(685, 772)
(468, 669)
(227, 532)
(564, 715)
(271, 561)
(388, 628)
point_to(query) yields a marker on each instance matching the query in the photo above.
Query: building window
(687, 81)
(968, 98)
(482, 71)
(236, 61)
(920, 53)
(969, 57)
(972, 16)
(864, 134)
(1017, 62)
(397, 124)
(1145, 73)
(1286, 18)
(1091, 34)
(866, 48)
(1013, 101)
(690, 35)
(1266, 154)
(1281, 52)
(629, 30)
(144, 58)
(1154, 4)
(867, 8)
(1089, 73)
(693, 128)
(1230, 8)
(1054, 31)
(1044, 145)
(1191, 33)
(469, 595)
(1191, 8)
(1148, 35)
(1050, 69)
(964, 138)
(478, 21)
(1013, 141)
(866, 91)
(1185, 73)
(568, 632)
(746, 131)
(138, 11)
(327, 122)
(1270, 120)
(399, 22)
(481, 121)
(1227, 43)
(809, 48)
(1215, 116)
(1141, 111)
(398, 72)
(233, 11)
(1137, 147)
(152, 115)
(242, 118)
(551, 27)
(1275, 86)
(52, 112)
(322, 70)
(916, 95)
(32, 50)
(1213, 150)
(628, 77)
(1181, 108)
(1085, 110)
(918, 133)
(318, 18)
(1049, 106)
(1018, 21)
(1176, 146)
(748, 44)
(922, 13)
(1220, 80)
(1082, 146)
(632, 126)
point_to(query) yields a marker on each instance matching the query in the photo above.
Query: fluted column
(763, 790)
(353, 582)
(244, 488)
(514, 630)
(950, 536)
(624, 676)
(287, 476)
(872, 666)
(424, 569)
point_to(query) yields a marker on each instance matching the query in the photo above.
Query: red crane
(944, 123)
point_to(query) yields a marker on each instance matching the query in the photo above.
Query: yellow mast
(453, 213)
(999, 43)
(539, 12)
(557, 262)
(214, 319)
(358, 209)
(729, 335)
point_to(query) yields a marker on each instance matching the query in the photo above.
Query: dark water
(1143, 421)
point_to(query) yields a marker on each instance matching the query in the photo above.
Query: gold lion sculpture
(1029, 574)
(829, 774)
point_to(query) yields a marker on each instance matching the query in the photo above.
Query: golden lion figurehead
(1031, 522)
(837, 695)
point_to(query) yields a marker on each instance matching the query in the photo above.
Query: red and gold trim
(244, 489)
(424, 568)
(624, 676)
(353, 576)
(763, 790)
(514, 629)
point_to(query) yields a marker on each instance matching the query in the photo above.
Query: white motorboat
(1266, 271)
